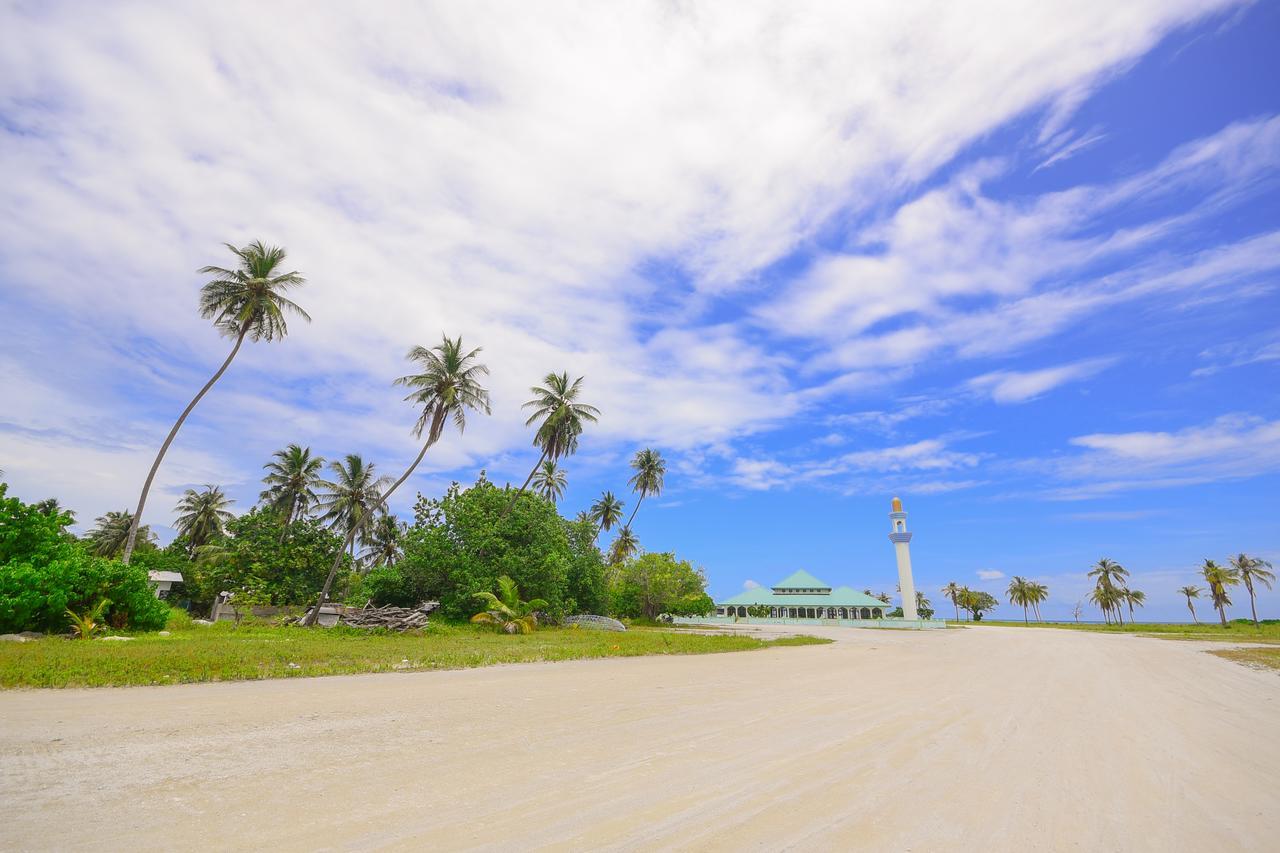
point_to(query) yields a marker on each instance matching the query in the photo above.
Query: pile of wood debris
(389, 617)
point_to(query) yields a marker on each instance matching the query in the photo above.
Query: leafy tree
(1219, 579)
(51, 507)
(976, 602)
(606, 511)
(202, 516)
(463, 544)
(586, 590)
(506, 611)
(560, 418)
(951, 592)
(110, 533)
(759, 611)
(246, 302)
(656, 583)
(43, 574)
(549, 481)
(292, 478)
(448, 386)
(650, 469)
(1251, 569)
(1191, 591)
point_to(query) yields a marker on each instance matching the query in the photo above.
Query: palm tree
(923, 606)
(952, 592)
(202, 516)
(1106, 598)
(51, 508)
(383, 543)
(1191, 592)
(549, 481)
(624, 546)
(1036, 593)
(606, 511)
(1133, 598)
(1110, 575)
(1219, 578)
(111, 531)
(247, 302)
(352, 498)
(506, 611)
(1018, 595)
(650, 468)
(292, 477)
(447, 387)
(1250, 569)
(555, 404)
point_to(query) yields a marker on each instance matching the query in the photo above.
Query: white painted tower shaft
(901, 539)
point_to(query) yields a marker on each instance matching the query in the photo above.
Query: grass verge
(1255, 657)
(1235, 632)
(224, 652)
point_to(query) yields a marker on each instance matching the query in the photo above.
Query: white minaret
(900, 538)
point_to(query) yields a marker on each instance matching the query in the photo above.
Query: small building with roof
(802, 596)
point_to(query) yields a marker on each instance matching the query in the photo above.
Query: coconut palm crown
(650, 469)
(506, 611)
(202, 516)
(1191, 592)
(1251, 569)
(245, 302)
(291, 479)
(353, 496)
(110, 532)
(1219, 578)
(606, 511)
(549, 481)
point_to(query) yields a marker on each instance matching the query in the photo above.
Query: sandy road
(979, 739)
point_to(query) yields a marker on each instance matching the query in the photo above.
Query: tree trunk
(1222, 613)
(511, 503)
(1192, 608)
(155, 466)
(953, 601)
(634, 511)
(1248, 584)
(437, 424)
(1024, 615)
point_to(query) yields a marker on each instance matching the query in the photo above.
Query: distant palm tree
(952, 592)
(624, 546)
(1036, 594)
(650, 469)
(292, 478)
(51, 508)
(1107, 598)
(110, 532)
(1018, 595)
(606, 511)
(352, 498)
(923, 606)
(1191, 592)
(202, 516)
(549, 481)
(247, 302)
(583, 517)
(447, 387)
(1219, 578)
(1110, 577)
(1133, 598)
(560, 419)
(383, 545)
(1252, 569)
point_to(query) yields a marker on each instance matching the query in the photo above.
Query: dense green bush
(462, 543)
(43, 573)
(262, 561)
(652, 584)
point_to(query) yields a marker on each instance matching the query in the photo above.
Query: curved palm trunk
(511, 503)
(957, 605)
(437, 424)
(1248, 584)
(1024, 615)
(155, 466)
(1192, 608)
(634, 511)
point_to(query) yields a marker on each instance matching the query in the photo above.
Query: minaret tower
(900, 537)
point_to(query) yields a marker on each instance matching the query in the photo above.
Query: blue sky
(1021, 270)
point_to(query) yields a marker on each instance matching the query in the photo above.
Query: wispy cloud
(1011, 386)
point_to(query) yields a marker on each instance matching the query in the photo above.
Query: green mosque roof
(844, 596)
(801, 580)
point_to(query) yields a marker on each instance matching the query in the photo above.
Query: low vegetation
(1237, 631)
(1255, 657)
(224, 652)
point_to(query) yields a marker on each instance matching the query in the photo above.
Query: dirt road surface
(986, 738)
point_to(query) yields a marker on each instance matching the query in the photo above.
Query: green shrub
(43, 574)
(178, 620)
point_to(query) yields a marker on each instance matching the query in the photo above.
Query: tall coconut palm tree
(448, 386)
(1106, 598)
(1219, 579)
(1019, 595)
(1191, 592)
(110, 532)
(383, 545)
(352, 498)
(246, 302)
(202, 516)
(292, 478)
(1036, 594)
(952, 593)
(560, 418)
(624, 547)
(650, 469)
(1252, 569)
(1109, 573)
(606, 512)
(549, 481)
(1133, 598)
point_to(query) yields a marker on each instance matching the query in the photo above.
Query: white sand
(987, 738)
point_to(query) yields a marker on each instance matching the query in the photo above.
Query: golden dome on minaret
(897, 504)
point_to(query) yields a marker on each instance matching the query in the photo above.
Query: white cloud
(1011, 386)
(989, 574)
(750, 584)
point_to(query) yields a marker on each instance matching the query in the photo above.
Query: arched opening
(742, 611)
(866, 613)
(878, 614)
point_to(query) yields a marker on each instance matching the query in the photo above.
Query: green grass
(1255, 657)
(224, 652)
(1235, 632)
